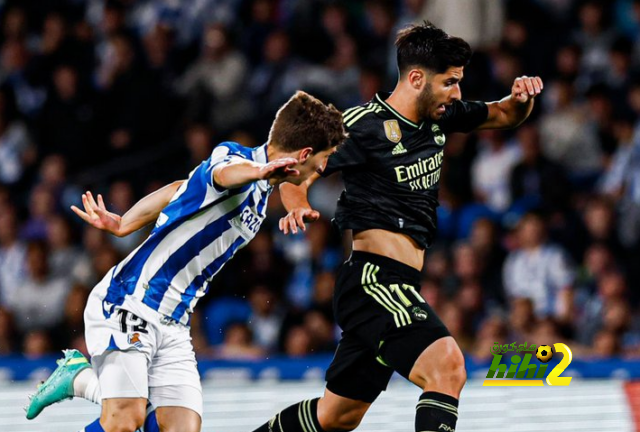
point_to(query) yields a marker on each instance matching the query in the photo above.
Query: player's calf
(331, 413)
(440, 372)
(300, 417)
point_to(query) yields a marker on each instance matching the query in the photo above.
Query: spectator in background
(67, 120)
(320, 330)
(484, 240)
(121, 89)
(611, 288)
(53, 174)
(42, 206)
(37, 305)
(491, 170)
(606, 344)
(217, 80)
(380, 16)
(12, 256)
(7, 333)
(479, 22)
(621, 180)
(453, 317)
(466, 266)
(37, 344)
(257, 29)
(599, 221)
(595, 38)
(273, 79)
(16, 150)
(14, 24)
(323, 292)
(598, 260)
(535, 180)
(120, 199)
(521, 320)
(540, 271)
(14, 58)
(298, 342)
(492, 330)
(66, 259)
(618, 77)
(266, 317)
(567, 136)
(238, 344)
(70, 332)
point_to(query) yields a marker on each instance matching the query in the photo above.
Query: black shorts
(385, 323)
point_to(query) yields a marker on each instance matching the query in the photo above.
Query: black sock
(436, 412)
(301, 417)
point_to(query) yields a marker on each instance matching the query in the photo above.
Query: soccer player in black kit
(391, 169)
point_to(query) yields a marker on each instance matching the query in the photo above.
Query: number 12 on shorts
(130, 322)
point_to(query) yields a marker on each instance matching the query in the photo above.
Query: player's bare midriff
(397, 246)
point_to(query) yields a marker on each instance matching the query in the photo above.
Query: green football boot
(59, 386)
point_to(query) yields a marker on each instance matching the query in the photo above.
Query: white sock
(87, 386)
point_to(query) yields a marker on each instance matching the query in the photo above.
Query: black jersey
(391, 167)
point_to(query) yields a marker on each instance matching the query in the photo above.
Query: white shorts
(138, 354)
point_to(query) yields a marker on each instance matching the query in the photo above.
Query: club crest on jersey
(392, 130)
(438, 136)
(419, 313)
(134, 339)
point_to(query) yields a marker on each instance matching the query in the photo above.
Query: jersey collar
(382, 96)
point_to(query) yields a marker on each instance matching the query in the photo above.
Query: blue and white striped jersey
(201, 229)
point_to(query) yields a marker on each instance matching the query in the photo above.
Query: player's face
(441, 90)
(315, 163)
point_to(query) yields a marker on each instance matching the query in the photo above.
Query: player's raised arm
(241, 172)
(512, 110)
(295, 201)
(141, 214)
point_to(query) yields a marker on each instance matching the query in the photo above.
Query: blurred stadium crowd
(539, 237)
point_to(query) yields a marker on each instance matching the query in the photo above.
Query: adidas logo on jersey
(398, 149)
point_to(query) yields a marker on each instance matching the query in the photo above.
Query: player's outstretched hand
(296, 219)
(279, 169)
(526, 88)
(96, 214)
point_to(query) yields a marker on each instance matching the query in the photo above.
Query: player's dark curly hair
(305, 121)
(427, 46)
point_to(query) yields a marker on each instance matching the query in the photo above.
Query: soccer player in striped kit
(137, 317)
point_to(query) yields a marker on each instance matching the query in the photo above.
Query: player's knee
(444, 370)
(346, 421)
(123, 425)
(128, 420)
(185, 425)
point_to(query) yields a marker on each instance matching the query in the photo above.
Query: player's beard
(426, 102)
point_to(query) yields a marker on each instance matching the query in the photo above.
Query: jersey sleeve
(349, 155)
(464, 116)
(222, 154)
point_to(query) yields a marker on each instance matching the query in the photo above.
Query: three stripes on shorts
(394, 298)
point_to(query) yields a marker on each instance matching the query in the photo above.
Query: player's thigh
(178, 419)
(122, 374)
(174, 380)
(402, 348)
(337, 412)
(123, 414)
(355, 372)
